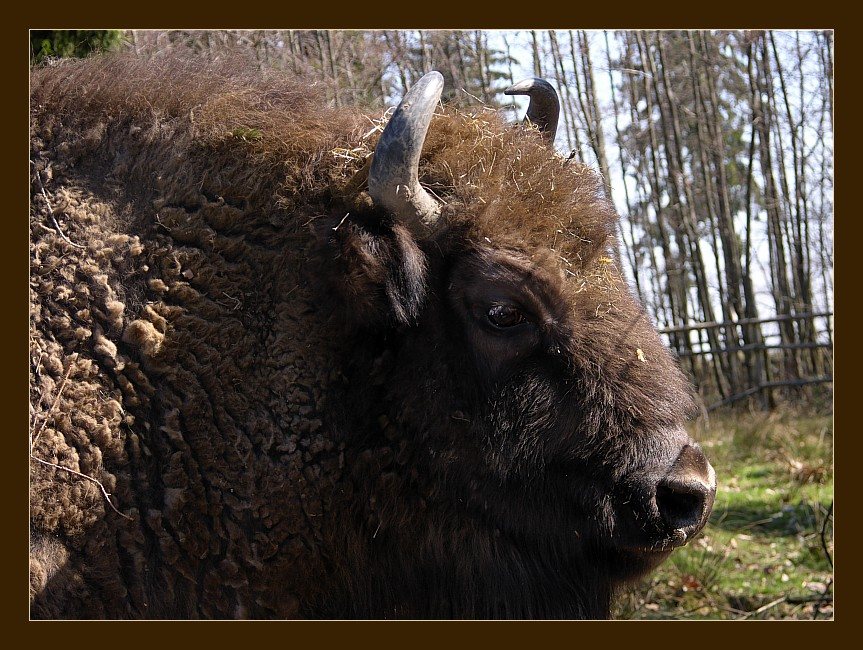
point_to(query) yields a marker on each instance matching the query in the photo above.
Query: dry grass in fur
(278, 137)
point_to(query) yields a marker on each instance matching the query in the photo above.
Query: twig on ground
(89, 478)
(824, 533)
(823, 597)
(764, 608)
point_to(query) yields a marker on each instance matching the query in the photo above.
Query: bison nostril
(681, 504)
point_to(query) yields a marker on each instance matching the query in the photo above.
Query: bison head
(540, 411)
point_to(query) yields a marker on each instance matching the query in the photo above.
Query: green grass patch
(762, 555)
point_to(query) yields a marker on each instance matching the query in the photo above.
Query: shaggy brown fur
(271, 379)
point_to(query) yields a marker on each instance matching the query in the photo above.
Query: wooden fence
(761, 359)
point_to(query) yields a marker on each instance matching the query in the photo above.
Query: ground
(768, 549)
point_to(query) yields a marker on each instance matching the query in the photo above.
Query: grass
(762, 554)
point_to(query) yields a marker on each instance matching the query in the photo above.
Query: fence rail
(749, 361)
(749, 392)
(757, 346)
(744, 321)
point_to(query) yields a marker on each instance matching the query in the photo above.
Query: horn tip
(429, 88)
(433, 78)
(526, 86)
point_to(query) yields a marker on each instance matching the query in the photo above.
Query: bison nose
(684, 496)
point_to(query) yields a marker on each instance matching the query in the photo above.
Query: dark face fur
(546, 412)
(542, 413)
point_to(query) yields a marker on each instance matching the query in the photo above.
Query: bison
(288, 363)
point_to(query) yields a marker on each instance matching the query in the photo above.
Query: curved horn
(393, 178)
(544, 107)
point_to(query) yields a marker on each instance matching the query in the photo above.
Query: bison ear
(380, 277)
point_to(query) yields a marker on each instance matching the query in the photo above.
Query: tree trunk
(560, 78)
(779, 274)
(760, 362)
(626, 214)
(676, 292)
(537, 60)
(687, 236)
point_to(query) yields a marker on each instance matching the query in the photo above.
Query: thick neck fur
(422, 549)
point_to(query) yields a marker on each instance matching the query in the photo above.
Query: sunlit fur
(294, 399)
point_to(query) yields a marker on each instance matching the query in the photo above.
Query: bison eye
(502, 316)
